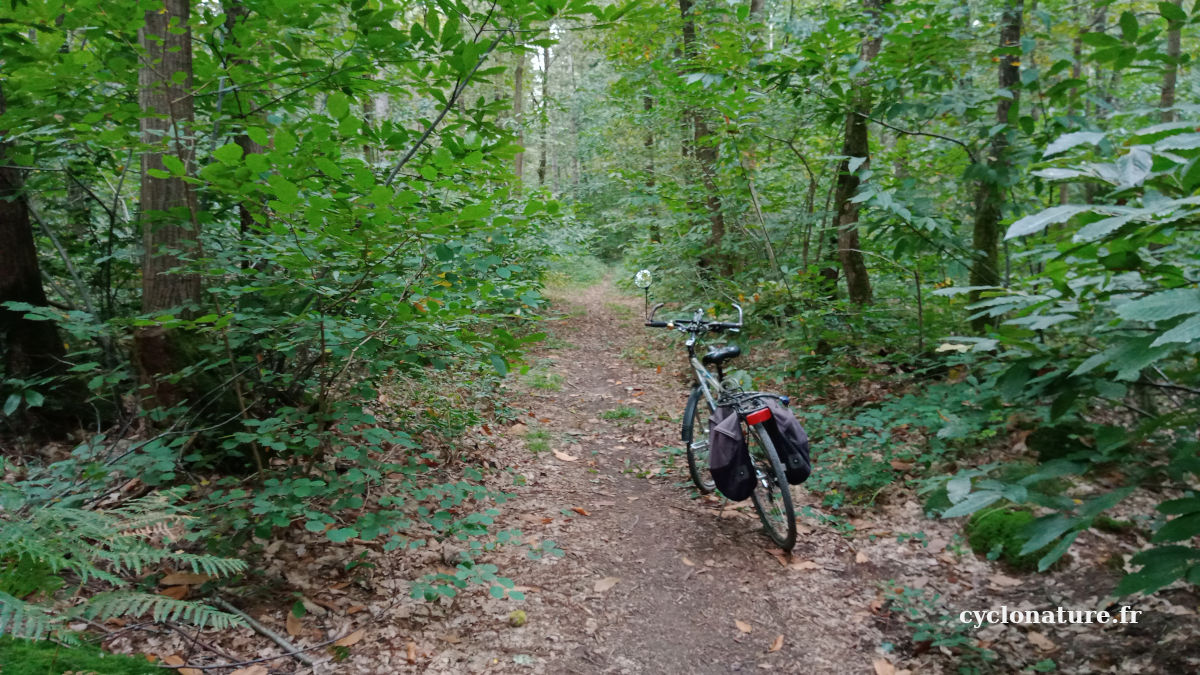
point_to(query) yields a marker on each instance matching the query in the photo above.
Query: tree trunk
(236, 12)
(1064, 190)
(989, 200)
(30, 348)
(648, 143)
(1171, 73)
(856, 143)
(545, 116)
(518, 104)
(704, 149)
(168, 208)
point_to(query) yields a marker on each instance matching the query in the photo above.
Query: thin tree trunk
(518, 105)
(31, 348)
(545, 116)
(167, 204)
(648, 143)
(989, 200)
(1171, 73)
(1064, 191)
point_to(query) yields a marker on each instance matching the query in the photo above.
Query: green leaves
(338, 105)
(1037, 222)
(1172, 12)
(230, 153)
(174, 165)
(1071, 140)
(341, 534)
(1161, 566)
(1162, 305)
(1129, 26)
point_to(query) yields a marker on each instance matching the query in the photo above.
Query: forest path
(653, 580)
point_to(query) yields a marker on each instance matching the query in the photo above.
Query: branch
(278, 639)
(460, 86)
(791, 146)
(62, 253)
(966, 148)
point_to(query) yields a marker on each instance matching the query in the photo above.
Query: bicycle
(772, 495)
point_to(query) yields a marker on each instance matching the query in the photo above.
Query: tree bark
(704, 149)
(856, 143)
(236, 12)
(1171, 73)
(989, 199)
(168, 208)
(545, 116)
(518, 104)
(30, 348)
(648, 143)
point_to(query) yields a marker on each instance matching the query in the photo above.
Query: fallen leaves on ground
(351, 639)
(294, 626)
(1002, 580)
(742, 626)
(884, 667)
(580, 510)
(861, 558)
(251, 670)
(1041, 641)
(777, 644)
(177, 660)
(564, 456)
(605, 584)
(184, 579)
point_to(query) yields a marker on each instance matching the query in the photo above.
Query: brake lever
(654, 310)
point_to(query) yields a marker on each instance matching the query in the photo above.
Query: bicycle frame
(709, 384)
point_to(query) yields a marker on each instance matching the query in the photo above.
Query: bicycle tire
(697, 456)
(772, 495)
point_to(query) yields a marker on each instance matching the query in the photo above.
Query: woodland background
(261, 259)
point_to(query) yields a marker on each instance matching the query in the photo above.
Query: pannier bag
(729, 456)
(790, 440)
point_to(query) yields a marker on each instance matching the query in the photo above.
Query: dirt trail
(653, 580)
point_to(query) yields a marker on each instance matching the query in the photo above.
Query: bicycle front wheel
(772, 495)
(695, 439)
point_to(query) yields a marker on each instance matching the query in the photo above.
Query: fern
(160, 608)
(44, 545)
(25, 620)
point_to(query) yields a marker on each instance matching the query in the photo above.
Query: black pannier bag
(728, 455)
(790, 440)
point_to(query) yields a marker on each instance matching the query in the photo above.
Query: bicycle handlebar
(695, 324)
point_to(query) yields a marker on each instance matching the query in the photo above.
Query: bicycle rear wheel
(772, 495)
(695, 439)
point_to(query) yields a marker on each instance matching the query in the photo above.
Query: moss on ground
(26, 657)
(998, 534)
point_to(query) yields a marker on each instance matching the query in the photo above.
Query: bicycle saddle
(716, 355)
